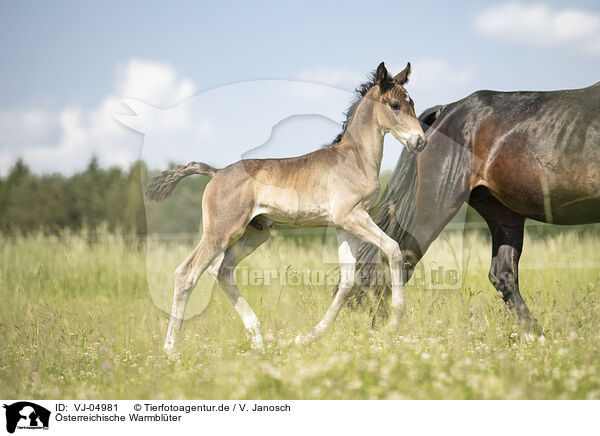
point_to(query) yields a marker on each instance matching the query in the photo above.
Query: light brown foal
(333, 186)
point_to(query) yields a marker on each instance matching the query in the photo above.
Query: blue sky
(66, 62)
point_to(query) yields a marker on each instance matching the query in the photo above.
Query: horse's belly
(307, 216)
(577, 211)
(567, 192)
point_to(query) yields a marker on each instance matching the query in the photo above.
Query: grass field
(77, 321)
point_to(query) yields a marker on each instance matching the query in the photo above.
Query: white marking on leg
(248, 316)
(347, 249)
(363, 226)
(394, 257)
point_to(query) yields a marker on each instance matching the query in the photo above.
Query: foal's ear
(381, 75)
(402, 76)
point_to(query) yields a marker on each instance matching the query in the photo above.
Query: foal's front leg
(360, 223)
(347, 250)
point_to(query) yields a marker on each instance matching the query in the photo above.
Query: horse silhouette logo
(26, 415)
(262, 118)
(220, 126)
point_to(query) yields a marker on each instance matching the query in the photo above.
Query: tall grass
(77, 321)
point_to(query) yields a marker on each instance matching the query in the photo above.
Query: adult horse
(511, 156)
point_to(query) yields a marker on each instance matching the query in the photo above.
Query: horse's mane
(360, 91)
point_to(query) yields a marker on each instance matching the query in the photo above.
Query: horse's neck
(367, 136)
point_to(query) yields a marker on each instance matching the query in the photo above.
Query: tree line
(94, 197)
(113, 197)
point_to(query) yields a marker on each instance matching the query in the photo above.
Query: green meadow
(83, 318)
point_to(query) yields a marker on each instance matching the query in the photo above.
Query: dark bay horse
(511, 156)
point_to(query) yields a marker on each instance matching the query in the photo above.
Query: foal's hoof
(258, 344)
(172, 355)
(394, 323)
(302, 340)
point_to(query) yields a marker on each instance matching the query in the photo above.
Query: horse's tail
(429, 116)
(162, 185)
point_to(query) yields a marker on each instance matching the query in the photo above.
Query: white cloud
(539, 25)
(64, 140)
(21, 127)
(154, 83)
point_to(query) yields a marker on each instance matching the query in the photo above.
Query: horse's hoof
(530, 324)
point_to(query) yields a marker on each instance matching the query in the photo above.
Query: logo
(26, 415)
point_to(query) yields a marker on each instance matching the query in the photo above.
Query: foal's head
(396, 111)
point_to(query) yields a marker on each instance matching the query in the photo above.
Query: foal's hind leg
(186, 277)
(222, 270)
(347, 251)
(212, 244)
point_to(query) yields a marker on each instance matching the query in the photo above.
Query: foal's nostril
(416, 143)
(421, 143)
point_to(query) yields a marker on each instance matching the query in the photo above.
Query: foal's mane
(360, 91)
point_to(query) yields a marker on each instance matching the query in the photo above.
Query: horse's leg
(347, 250)
(360, 224)
(222, 270)
(186, 277)
(504, 271)
(215, 240)
(507, 228)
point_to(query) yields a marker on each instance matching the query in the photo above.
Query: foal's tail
(161, 186)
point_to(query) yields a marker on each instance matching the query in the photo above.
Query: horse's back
(565, 122)
(532, 149)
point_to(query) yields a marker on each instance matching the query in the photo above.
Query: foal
(335, 186)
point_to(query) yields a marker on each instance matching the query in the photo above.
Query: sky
(67, 67)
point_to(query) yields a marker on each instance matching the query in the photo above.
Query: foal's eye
(395, 106)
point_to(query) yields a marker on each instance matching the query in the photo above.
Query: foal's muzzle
(416, 143)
